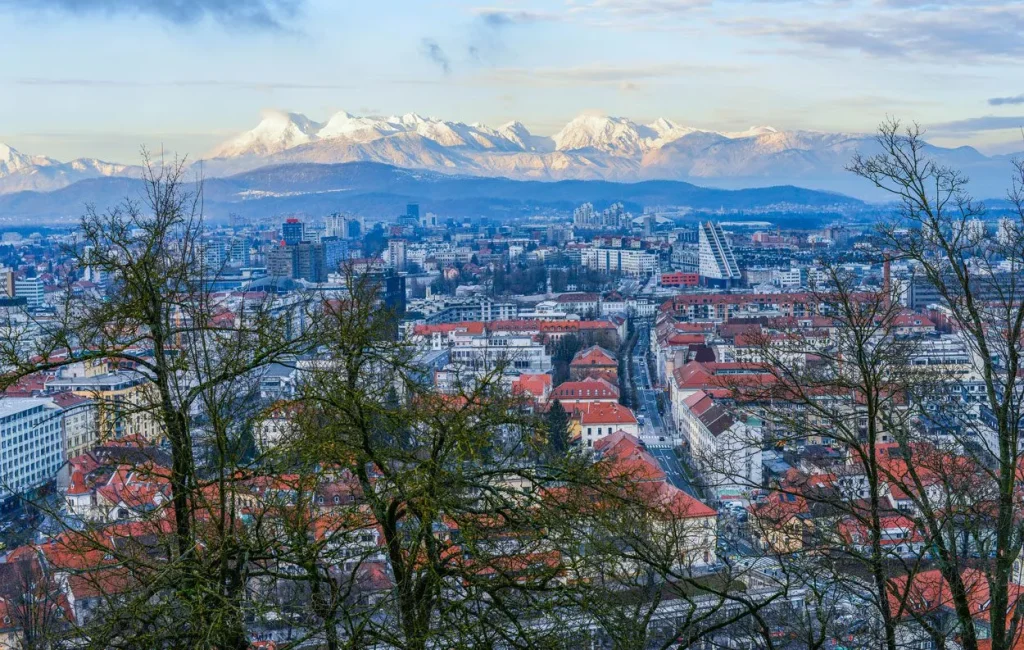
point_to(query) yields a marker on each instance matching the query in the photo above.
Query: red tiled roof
(587, 389)
(595, 355)
(605, 413)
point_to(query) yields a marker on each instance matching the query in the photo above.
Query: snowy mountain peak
(614, 135)
(276, 132)
(752, 132)
(357, 129)
(20, 171)
(662, 125)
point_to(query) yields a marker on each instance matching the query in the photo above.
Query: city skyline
(202, 71)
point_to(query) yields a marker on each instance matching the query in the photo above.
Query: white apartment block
(31, 446)
(627, 261)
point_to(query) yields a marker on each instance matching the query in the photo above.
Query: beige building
(124, 400)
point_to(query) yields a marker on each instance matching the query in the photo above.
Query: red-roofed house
(591, 389)
(594, 361)
(600, 419)
(535, 387)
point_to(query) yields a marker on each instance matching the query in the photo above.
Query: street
(653, 433)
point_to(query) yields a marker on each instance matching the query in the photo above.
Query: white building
(32, 290)
(726, 449)
(717, 263)
(397, 254)
(627, 261)
(31, 449)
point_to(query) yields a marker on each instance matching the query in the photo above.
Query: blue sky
(102, 77)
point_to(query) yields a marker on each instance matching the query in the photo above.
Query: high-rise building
(613, 218)
(280, 261)
(31, 289)
(309, 262)
(391, 293)
(239, 252)
(718, 265)
(412, 212)
(293, 231)
(335, 253)
(215, 254)
(397, 254)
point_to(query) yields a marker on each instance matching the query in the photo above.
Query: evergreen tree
(558, 429)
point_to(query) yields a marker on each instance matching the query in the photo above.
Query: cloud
(975, 124)
(1004, 101)
(661, 8)
(499, 18)
(963, 32)
(625, 77)
(182, 83)
(430, 49)
(268, 15)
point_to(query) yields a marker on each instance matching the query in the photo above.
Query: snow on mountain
(356, 129)
(587, 147)
(276, 132)
(612, 135)
(19, 172)
(12, 161)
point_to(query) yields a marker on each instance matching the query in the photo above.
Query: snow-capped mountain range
(589, 147)
(615, 136)
(19, 171)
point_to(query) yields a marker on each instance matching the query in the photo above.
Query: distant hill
(380, 190)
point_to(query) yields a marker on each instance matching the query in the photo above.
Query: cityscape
(394, 382)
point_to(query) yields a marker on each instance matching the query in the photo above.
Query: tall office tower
(293, 232)
(335, 253)
(309, 262)
(718, 265)
(354, 227)
(397, 254)
(239, 252)
(412, 212)
(280, 261)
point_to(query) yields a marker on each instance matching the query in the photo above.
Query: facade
(679, 279)
(726, 449)
(397, 254)
(80, 423)
(293, 231)
(599, 420)
(31, 450)
(32, 290)
(280, 263)
(627, 261)
(122, 401)
(717, 261)
(309, 263)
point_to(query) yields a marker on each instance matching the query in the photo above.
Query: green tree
(558, 429)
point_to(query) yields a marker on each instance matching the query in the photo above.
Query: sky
(100, 78)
